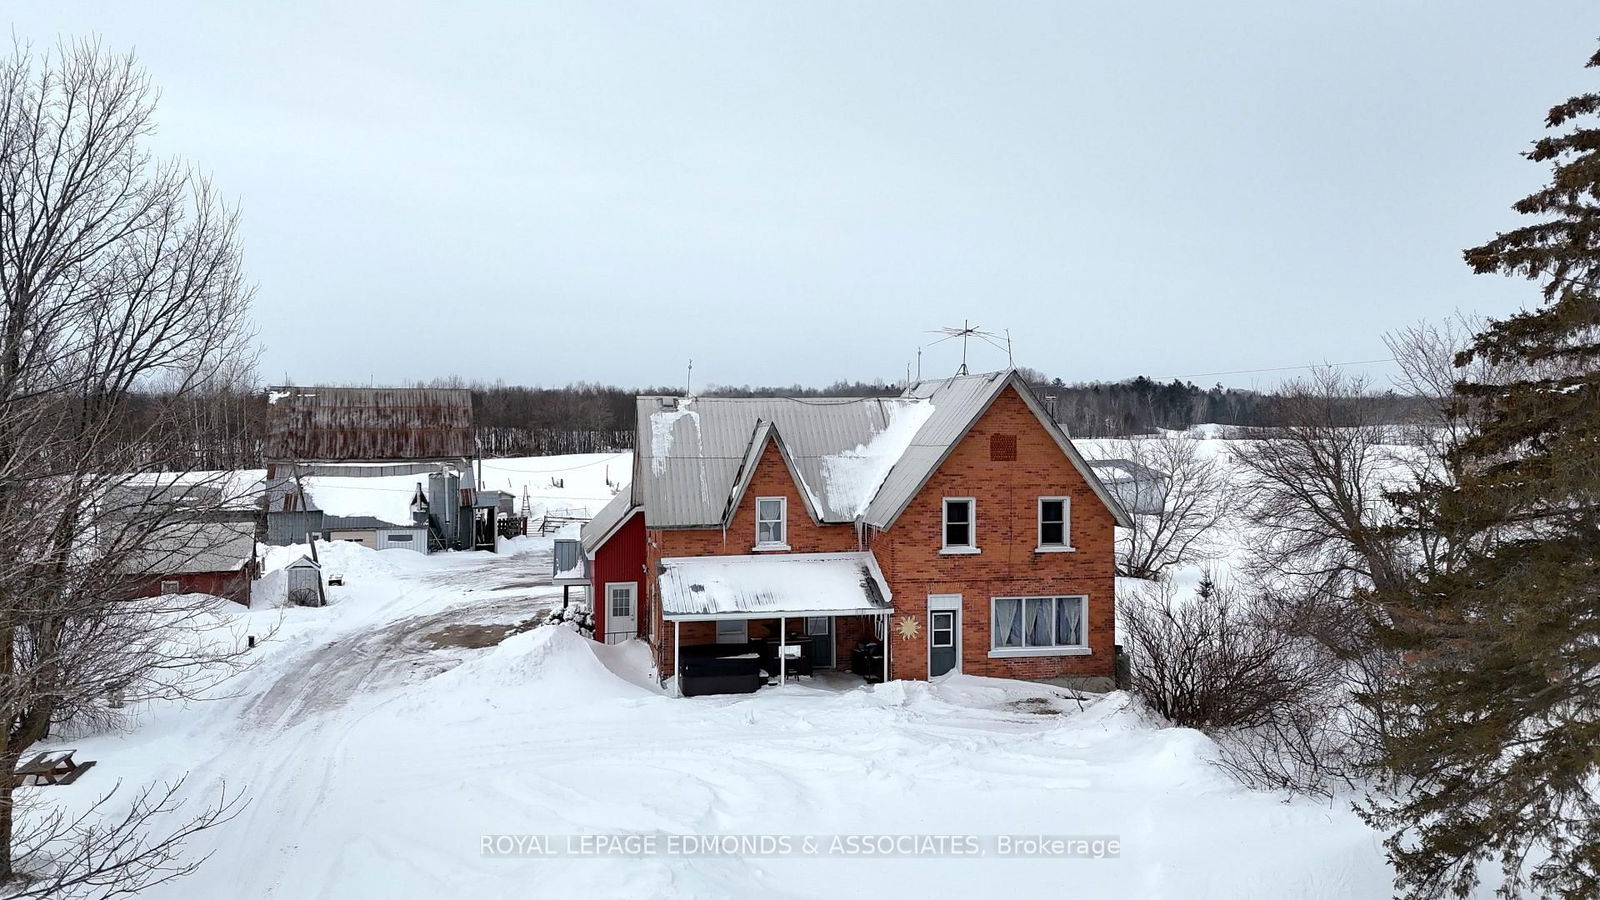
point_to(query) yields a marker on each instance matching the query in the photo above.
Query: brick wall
(1007, 492)
(1006, 533)
(771, 478)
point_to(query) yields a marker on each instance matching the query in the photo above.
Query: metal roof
(364, 523)
(760, 587)
(348, 424)
(193, 547)
(605, 523)
(958, 402)
(694, 454)
(690, 454)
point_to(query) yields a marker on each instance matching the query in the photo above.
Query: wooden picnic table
(50, 767)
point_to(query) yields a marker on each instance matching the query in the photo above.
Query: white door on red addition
(622, 611)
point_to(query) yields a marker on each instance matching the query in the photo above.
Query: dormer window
(772, 523)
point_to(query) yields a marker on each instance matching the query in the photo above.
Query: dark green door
(820, 630)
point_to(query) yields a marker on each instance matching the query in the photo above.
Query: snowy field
(554, 483)
(379, 740)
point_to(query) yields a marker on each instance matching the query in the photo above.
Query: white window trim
(1014, 652)
(177, 586)
(744, 627)
(947, 603)
(1066, 527)
(972, 527)
(783, 517)
(633, 598)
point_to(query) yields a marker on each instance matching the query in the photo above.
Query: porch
(741, 622)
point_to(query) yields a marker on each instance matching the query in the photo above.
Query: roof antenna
(967, 331)
(688, 379)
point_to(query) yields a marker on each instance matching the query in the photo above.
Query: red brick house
(956, 526)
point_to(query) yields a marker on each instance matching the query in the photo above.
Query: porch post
(886, 643)
(783, 642)
(677, 664)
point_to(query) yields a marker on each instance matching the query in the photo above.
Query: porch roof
(771, 585)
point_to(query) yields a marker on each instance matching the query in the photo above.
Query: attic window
(1003, 447)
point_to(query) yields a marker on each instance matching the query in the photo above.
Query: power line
(1358, 362)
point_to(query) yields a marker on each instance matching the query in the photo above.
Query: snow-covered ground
(379, 740)
(575, 481)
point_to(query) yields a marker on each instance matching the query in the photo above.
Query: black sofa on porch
(737, 668)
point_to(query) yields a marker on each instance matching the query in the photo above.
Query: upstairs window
(772, 523)
(960, 525)
(1055, 523)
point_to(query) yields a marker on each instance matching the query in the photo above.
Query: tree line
(228, 421)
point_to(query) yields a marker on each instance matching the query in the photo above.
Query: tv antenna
(966, 332)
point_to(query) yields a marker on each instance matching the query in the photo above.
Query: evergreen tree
(1496, 756)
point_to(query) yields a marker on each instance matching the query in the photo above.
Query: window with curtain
(771, 521)
(1039, 623)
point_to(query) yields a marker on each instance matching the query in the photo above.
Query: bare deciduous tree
(1176, 519)
(120, 282)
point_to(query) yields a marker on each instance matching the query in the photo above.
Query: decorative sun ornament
(908, 628)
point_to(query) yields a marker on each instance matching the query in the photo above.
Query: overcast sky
(798, 192)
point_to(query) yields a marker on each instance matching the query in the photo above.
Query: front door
(820, 630)
(944, 635)
(622, 611)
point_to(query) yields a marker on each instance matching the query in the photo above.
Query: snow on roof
(852, 477)
(694, 469)
(866, 456)
(750, 587)
(193, 547)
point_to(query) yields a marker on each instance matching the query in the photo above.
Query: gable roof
(767, 433)
(611, 517)
(351, 424)
(188, 548)
(852, 458)
(958, 402)
(691, 453)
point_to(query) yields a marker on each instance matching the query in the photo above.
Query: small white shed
(304, 586)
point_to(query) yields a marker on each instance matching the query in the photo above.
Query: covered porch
(740, 622)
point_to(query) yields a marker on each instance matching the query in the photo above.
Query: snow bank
(553, 661)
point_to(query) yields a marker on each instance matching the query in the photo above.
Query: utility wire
(1358, 362)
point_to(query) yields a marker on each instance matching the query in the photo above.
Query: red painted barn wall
(619, 559)
(234, 586)
(1007, 494)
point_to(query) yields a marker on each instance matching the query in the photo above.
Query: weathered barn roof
(759, 587)
(320, 424)
(193, 547)
(854, 458)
